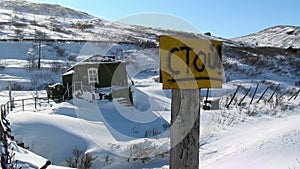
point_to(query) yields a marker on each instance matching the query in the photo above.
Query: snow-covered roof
(70, 72)
(100, 58)
(95, 59)
(54, 85)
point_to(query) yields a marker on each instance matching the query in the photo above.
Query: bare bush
(60, 52)
(16, 87)
(56, 66)
(81, 160)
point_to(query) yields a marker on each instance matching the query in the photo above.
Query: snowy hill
(242, 135)
(63, 36)
(27, 20)
(277, 36)
(42, 9)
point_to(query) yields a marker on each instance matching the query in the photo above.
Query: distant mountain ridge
(277, 36)
(21, 19)
(42, 9)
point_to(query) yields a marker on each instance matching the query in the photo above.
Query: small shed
(55, 91)
(211, 103)
(210, 98)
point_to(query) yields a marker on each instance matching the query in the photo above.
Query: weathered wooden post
(262, 94)
(7, 107)
(241, 101)
(232, 97)
(185, 110)
(186, 66)
(46, 165)
(23, 108)
(254, 93)
(294, 95)
(35, 101)
(274, 92)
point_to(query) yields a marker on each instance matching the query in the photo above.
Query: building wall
(109, 74)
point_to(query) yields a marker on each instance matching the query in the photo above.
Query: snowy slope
(24, 20)
(277, 36)
(28, 20)
(106, 129)
(259, 143)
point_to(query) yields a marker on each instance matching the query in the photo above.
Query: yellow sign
(187, 63)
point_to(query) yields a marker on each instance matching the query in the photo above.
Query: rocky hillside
(273, 53)
(27, 20)
(277, 36)
(42, 9)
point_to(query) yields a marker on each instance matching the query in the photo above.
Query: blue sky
(224, 18)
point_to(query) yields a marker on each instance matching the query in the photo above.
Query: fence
(7, 156)
(293, 96)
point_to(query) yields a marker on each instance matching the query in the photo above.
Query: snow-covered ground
(109, 130)
(262, 135)
(264, 142)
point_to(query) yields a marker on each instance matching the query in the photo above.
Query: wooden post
(262, 95)
(274, 92)
(254, 93)
(181, 72)
(233, 97)
(206, 98)
(35, 102)
(244, 96)
(68, 90)
(7, 107)
(10, 96)
(185, 123)
(46, 165)
(39, 59)
(294, 95)
(23, 104)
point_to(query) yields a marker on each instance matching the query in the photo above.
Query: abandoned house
(97, 74)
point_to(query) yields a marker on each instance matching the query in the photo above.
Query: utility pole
(39, 59)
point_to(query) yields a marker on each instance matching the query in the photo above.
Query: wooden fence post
(35, 100)
(262, 95)
(11, 105)
(254, 93)
(23, 105)
(244, 96)
(294, 95)
(233, 97)
(7, 107)
(274, 92)
(46, 165)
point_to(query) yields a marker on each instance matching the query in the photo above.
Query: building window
(77, 86)
(93, 75)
